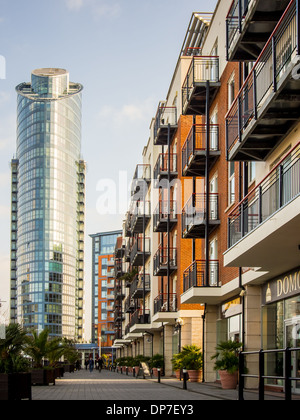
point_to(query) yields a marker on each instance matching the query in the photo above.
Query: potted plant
(15, 381)
(177, 364)
(192, 360)
(37, 347)
(156, 362)
(227, 363)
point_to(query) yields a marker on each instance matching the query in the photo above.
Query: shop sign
(288, 285)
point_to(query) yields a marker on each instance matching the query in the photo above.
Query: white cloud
(134, 113)
(99, 8)
(74, 5)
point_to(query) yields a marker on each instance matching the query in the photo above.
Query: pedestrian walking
(86, 363)
(100, 362)
(91, 365)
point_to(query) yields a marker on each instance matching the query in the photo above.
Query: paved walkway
(111, 386)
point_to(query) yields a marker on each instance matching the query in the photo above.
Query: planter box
(43, 377)
(59, 372)
(15, 387)
(69, 368)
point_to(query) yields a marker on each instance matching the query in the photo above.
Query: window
(231, 183)
(231, 91)
(252, 172)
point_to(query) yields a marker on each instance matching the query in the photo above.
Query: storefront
(281, 323)
(230, 321)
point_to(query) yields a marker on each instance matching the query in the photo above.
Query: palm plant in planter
(177, 364)
(37, 347)
(156, 362)
(227, 363)
(192, 360)
(15, 381)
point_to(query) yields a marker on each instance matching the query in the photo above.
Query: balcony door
(213, 189)
(213, 256)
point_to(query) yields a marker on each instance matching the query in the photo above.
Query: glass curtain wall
(49, 189)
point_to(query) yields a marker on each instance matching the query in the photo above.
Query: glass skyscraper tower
(48, 205)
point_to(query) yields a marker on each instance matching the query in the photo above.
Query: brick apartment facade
(227, 137)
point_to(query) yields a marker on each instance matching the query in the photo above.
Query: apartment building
(103, 290)
(263, 126)
(219, 245)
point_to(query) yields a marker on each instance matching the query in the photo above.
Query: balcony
(141, 181)
(138, 285)
(129, 305)
(141, 216)
(161, 214)
(165, 303)
(161, 170)
(194, 150)
(139, 319)
(249, 25)
(165, 124)
(118, 268)
(120, 248)
(268, 105)
(194, 90)
(264, 229)
(194, 216)
(164, 258)
(195, 275)
(137, 255)
(119, 293)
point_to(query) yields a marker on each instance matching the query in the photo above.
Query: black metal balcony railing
(137, 251)
(165, 303)
(162, 166)
(268, 77)
(138, 285)
(141, 180)
(194, 215)
(249, 24)
(129, 304)
(166, 117)
(161, 214)
(194, 149)
(141, 213)
(279, 188)
(195, 275)
(234, 21)
(161, 258)
(139, 317)
(202, 70)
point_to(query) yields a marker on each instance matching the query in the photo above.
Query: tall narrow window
(231, 91)
(231, 183)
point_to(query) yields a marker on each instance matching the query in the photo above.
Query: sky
(124, 52)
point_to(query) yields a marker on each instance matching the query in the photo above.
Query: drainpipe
(207, 209)
(168, 220)
(203, 341)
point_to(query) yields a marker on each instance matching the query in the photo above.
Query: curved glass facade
(50, 204)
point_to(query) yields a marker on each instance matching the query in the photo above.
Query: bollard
(133, 372)
(158, 372)
(184, 371)
(126, 369)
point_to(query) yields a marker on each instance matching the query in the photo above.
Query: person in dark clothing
(100, 362)
(91, 365)
(86, 363)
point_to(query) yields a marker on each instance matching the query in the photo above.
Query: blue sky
(124, 52)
